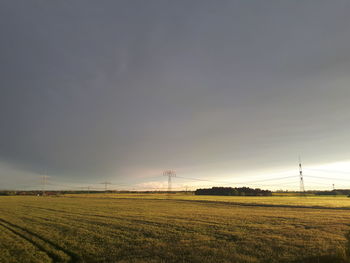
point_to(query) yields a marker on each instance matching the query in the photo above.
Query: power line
(169, 173)
(328, 171)
(328, 178)
(226, 182)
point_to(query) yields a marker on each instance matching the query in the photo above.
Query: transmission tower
(170, 174)
(44, 179)
(302, 188)
(106, 184)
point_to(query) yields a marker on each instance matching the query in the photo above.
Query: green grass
(182, 228)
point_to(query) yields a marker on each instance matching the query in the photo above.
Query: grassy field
(180, 228)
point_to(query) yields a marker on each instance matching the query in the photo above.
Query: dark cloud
(91, 88)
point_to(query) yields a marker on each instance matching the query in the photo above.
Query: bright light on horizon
(323, 176)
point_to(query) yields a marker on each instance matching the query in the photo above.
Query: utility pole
(106, 184)
(169, 174)
(302, 188)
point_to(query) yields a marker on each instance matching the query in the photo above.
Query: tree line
(334, 192)
(230, 191)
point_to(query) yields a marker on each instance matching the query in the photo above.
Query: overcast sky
(121, 90)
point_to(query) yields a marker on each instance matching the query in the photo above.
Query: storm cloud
(122, 88)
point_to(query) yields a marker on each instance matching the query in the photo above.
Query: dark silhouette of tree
(230, 191)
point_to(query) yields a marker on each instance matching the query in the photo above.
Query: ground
(173, 228)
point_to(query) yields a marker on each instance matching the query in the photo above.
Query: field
(175, 228)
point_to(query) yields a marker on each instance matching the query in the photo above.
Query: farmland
(175, 228)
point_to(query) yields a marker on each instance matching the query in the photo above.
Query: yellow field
(178, 228)
(288, 200)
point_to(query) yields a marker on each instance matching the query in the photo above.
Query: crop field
(174, 228)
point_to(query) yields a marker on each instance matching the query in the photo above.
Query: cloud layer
(112, 88)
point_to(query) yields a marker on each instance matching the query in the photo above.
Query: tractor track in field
(37, 240)
(50, 255)
(87, 218)
(242, 204)
(229, 203)
(266, 205)
(121, 218)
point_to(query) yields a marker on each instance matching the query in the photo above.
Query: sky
(224, 91)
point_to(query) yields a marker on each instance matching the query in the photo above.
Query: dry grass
(151, 228)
